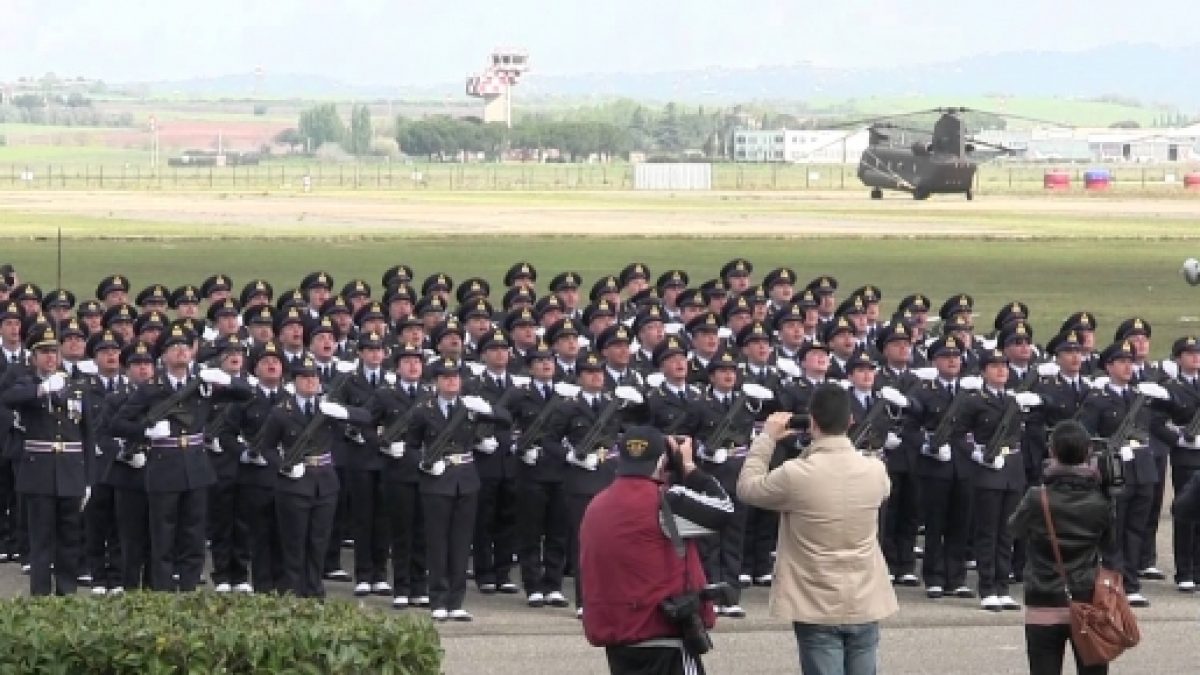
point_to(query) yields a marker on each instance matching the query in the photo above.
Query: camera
(800, 422)
(1112, 471)
(684, 612)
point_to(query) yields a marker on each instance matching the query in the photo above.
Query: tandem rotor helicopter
(944, 164)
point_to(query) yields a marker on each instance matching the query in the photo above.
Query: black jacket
(1083, 520)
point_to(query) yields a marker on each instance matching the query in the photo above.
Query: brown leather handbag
(1105, 627)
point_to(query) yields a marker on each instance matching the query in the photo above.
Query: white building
(805, 146)
(1101, 145)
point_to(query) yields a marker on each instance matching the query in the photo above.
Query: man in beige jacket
(830, 576)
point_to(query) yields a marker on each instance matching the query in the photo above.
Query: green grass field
(1113, 279)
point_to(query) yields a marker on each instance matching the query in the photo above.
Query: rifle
(941, 435)
(1193, 427)
(863, 429)
(298, 449)
(537, 426)
(1126, 430)
(1003, 435)
(436, 451)
(722, 432)
(395, 431)
(172, 406)
(592, 439)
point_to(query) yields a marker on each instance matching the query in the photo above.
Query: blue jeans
(849, 649)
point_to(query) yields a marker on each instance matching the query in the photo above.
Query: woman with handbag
(1067, 524)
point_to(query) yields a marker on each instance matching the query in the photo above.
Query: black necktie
(411, 391)
(308, 409)
(1127, 395)
(373, 380)
(499, 382)
(449, 410)
(545, 392)
(867, 402)
(178, 385)
(682, 395)
(596, 404)
(725, 402)
(112, 385)
(271, 397)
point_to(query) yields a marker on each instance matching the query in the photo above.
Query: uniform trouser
(371, 527)
(54, 539)
(102, 542)
(10, 520)
(228, 534)
(576, 506)
(946, 507)
(1186, 533)
(177, 538)
(1148, 555)
(542, 525)
(1133, 515)
(449, 522)
(409, 574)
(762, 531)
(901, 515)
(133, 527)
(721, 552)
(20, 535)
(257, 504)
(341, 524)
(993, 544)
(305, 526)
(495, 538)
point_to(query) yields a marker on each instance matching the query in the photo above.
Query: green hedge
(159, 633)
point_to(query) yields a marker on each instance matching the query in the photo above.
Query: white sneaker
(745, 580)
(99, 590)
(116, 590)
(909, 580)
(971, 564)
(991, 603)
(1138, 600)
(735, 612)
(556, 599)
(400, 602)
(420, 601)
(764, 580)
(1007, 602)
(244, 587)
(1186, 586)
(461, 615)
(535, 599)
(223, 587)
(381, 588)
(362, 588)
(579, 613)
(85, 579)
(439, 615)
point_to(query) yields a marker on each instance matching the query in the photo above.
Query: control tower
(494, 85)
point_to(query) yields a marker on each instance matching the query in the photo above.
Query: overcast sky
(412, 42)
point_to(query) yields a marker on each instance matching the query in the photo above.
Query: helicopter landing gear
(876, 193)
(920, 195)
(970, 195)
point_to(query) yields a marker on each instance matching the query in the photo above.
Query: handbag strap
(1058, 561)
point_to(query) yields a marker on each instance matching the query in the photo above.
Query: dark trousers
(177, 538)
(901, 515)
(721, 553)
(54, 539)
(371, 526)
(133, 527)
(257, 506)
(495, 531)
(1148, 554)
(652, 661)
(762, 531)
(1045, 647)
(409, 576)
(542, 518)
(10, 516)
(946, 509)
(449, 522)
(228, 534)
(102, 542)
(1186, 533)
(1133, 515)
(340, 526)
(993, 545)
(576, 506)
(305, 525)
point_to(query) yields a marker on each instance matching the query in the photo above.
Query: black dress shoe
(509, 588)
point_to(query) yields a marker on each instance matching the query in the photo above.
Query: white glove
(998, 463)
(655, 379)
(892, 442)
(787, 367)
(1027, 399)
(215, 376)
(487, 445)
(87, 494)
(476, 368)
(87, 367)
(335, 410)
(346, 366)
(1099, 382)
(926, 374)
(844, 384)
(719, 456)
(971, 383)
(160, 430)
(438, 468)
(520, 380)
(214, 446)
(137, 460)
(529, 457)
(210, 334)
(566, 390)
(290, 388)
(1169, 367)
(977, 454)
(943, 453)
(395, 449)
(296, 472)
(757, 391)
(894, 397)
(589, 463)
(255, 459)
(628, 394)
(1154, 390)
(54, 383)
(1126, 453)
(477, 405)
(1048, 369)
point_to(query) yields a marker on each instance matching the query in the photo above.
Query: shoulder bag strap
(1058, 561)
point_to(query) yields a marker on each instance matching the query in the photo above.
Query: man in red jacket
(629, 563)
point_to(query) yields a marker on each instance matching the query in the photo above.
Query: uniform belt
(607, 454)
(53, 446)
(460, 458)
(188, 441)
(319, 460)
